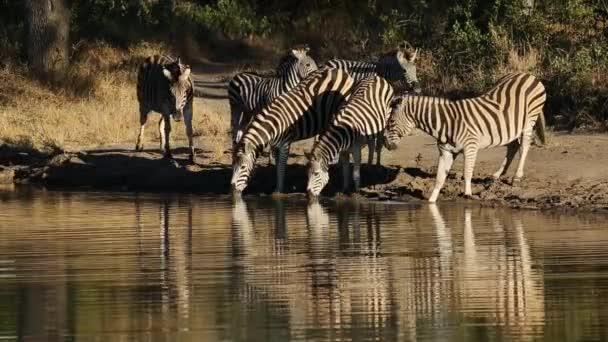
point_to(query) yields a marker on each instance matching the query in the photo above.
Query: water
(94, 266)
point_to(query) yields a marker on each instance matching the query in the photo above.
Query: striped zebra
(397, 66)
(299, 114)
(164, 86)
(249, 92)
(505, 115)
(361, 119)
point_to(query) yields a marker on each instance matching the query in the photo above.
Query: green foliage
(466, 44)
(230, 17)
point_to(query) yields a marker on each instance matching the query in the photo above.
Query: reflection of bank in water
(320, 277)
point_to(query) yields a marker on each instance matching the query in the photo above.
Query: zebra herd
(345, 105)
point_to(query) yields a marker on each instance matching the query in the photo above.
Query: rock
(7, 176)
(59, 160)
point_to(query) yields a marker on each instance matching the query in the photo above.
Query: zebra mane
(285, 62)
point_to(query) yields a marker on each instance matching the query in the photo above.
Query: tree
(48, 27)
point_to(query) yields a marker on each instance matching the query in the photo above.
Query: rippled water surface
(94, 266)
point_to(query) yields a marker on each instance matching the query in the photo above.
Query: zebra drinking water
(164, 86)
(301, 113)
(249, 92)
(397, 67)
(502, 116)
(359, 120)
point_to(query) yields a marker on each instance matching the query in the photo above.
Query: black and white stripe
(362, 118)
(398, 67)
(502, 116)
(299, 114)
(164, 86)
(250, 92)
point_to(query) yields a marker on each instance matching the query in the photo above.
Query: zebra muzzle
(390, 146)
(177, 116)
(236, 193)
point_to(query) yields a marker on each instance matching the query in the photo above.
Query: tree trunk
(47, 35)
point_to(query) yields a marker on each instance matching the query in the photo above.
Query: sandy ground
(571, 172)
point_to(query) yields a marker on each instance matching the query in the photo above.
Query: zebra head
(318, 176)
(406, 56)
(180, 87)
(242, 167)
(400, 123)
(298, 64)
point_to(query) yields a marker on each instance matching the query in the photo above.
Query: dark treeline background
(465, 44)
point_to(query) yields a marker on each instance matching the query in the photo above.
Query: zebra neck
(289, 79)
(388, 69)
(431, 114)
(329, 146)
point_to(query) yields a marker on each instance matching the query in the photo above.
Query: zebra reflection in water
(324, 277)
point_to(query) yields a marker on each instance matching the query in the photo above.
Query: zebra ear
(167, 74)
(186, 73)
(179, 60)
(298, 53)
(414, 55)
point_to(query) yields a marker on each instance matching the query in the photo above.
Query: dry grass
(94, 103)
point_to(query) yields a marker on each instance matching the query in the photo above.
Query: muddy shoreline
(120, 169)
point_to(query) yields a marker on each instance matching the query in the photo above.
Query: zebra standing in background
(359, 120)
(397, 67)
(503, 115)
(164, 86)
(299, 114)
(249, 92)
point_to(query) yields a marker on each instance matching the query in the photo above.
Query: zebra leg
(189, 131)
(161, 132)
(271, 152)
(470, 155)
(379, 144)
(143, 117)
(371, 148)
(165, 128)
(356, 150)
(282, 154)
(345, 162)
(446, 158)
(512, 148)
(526, 141)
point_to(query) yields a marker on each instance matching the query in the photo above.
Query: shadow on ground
(125, 170)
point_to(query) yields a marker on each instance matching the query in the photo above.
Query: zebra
(250, 92)
(397, 67)
(164, 86)
(301, 113)
(504, 115)
(361, 119)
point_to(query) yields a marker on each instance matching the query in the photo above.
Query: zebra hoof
(516, 181)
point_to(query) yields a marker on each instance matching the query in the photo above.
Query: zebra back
(164, 85)
(495, 118)
(397, 66)
(358, 70)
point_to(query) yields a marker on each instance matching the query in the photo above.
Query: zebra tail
(540, 128)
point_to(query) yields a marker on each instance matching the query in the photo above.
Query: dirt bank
(569, 173)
